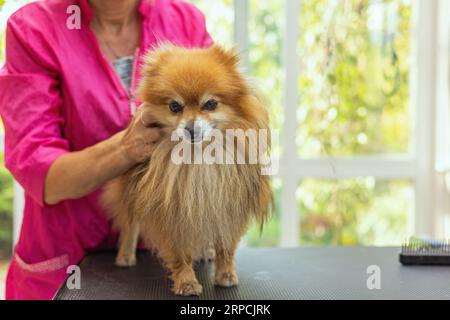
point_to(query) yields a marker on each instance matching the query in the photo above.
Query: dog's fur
(183, 210)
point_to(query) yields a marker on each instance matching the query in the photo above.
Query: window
(354, 101)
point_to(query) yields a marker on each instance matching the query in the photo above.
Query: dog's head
(196, 90)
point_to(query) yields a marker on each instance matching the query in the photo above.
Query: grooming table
(270, 274)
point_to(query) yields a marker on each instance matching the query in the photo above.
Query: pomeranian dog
(183, 210)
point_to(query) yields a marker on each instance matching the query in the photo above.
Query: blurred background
(359, 91)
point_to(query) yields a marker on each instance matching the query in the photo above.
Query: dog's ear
(229, 57)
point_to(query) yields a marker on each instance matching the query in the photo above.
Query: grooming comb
(425, 252)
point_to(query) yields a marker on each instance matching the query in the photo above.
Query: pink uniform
(59, 94)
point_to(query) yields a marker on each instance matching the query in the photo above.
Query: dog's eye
(210, 105)
(175, 107)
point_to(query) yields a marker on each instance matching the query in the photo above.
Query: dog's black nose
(192, 132)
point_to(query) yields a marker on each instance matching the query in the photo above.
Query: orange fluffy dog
(182, 210)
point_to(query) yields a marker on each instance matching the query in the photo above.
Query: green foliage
(2, 38)
(358, 211)
(354, 82)
(219, 19)
(6, 202)
(266, 32)
(2, 47)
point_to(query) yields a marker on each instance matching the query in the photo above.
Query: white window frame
(443, 121)
(429, 34)
(424, 104)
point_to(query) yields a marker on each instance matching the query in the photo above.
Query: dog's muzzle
(196, 131)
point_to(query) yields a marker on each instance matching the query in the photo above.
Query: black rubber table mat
(270, 274)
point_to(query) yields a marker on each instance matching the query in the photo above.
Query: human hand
(139, 139)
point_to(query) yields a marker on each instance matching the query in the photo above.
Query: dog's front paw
(126, 261)
(188, 288)
(227, 279)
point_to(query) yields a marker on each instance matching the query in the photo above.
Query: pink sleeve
(30, 107)
(194, 24)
